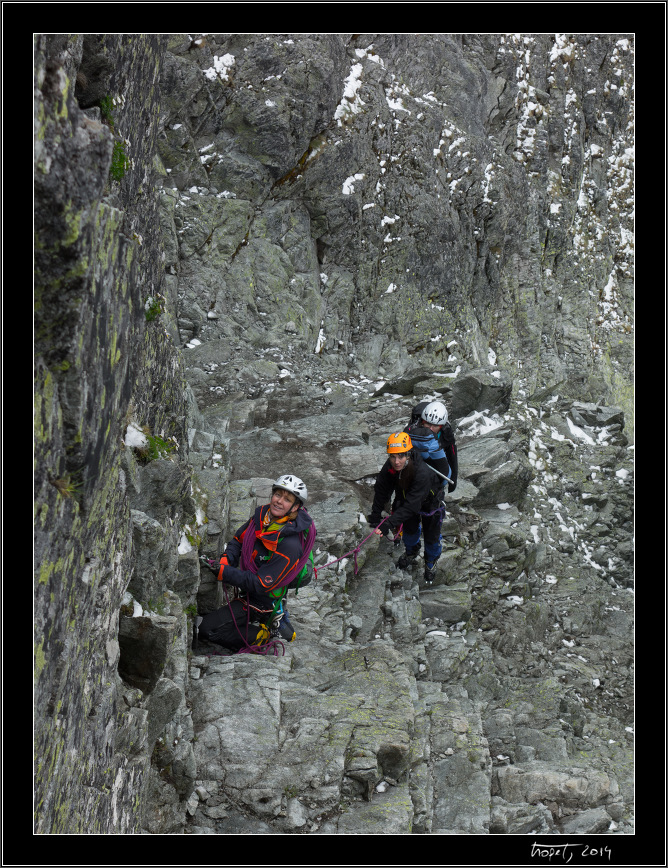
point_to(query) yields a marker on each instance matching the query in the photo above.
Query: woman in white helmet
(432, 437)
(268, 555)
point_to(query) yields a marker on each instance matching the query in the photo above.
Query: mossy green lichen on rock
(87, 318)
(232, 279)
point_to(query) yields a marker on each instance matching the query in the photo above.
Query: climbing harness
(440, 509)
(264, 647)
(254, 617)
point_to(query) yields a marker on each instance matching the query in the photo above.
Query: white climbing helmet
(292, 484)
(435, 413)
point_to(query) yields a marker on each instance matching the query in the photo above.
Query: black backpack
(416, 413)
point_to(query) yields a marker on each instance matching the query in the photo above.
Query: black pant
(229, 627)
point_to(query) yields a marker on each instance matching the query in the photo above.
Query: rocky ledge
(497, 700)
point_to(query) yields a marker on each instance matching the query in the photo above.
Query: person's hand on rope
(384, 530)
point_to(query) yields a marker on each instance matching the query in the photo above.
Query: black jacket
(273, 561)
(412, 491)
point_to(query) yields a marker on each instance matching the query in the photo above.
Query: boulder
(165, 491)
(161, 705)
(509, 819)
(450, 605)
(155, 557)
(506, 483)
(145, 644)
(486, 389)
(572, 787)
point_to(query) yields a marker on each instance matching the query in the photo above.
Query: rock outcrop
(254, 254)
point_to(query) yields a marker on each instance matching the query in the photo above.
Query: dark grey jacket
(414, 488)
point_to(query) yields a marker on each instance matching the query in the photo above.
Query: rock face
(255, 253)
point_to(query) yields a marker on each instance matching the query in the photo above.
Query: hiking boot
(430, 572)
(407, 560)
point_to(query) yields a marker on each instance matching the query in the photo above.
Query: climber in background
(415, 508)
(431, 433)
(268, 555)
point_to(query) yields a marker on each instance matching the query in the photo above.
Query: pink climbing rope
(353, 552)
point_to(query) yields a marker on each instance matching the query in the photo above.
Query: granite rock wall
(253, 254)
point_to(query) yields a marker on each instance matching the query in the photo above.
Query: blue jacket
(438, 450)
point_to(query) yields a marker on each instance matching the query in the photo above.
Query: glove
(386, 530)
(223, 563)
(208, 562)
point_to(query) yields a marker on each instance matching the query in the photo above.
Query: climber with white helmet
(407, 479)
(268, 555)
(432, 435)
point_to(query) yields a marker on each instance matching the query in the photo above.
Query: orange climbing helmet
(400, 442)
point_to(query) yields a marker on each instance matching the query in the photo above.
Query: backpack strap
(301, 563)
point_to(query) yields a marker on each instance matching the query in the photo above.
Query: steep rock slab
(309, 749)
(97, 263)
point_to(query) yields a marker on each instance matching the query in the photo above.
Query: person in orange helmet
(413, 488)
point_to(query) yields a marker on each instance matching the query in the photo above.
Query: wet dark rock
(145, 643)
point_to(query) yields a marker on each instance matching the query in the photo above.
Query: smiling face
(282, 503)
